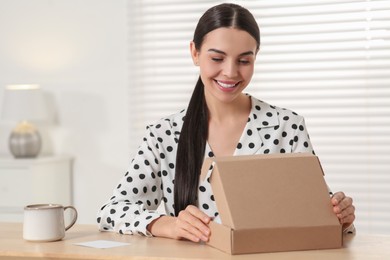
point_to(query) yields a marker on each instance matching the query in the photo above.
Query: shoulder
(172, 123)
(271, 114)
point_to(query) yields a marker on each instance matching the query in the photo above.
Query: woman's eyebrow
(222, 52)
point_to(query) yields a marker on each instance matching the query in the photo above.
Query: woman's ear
(194, 53)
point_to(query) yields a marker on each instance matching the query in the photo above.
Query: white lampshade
(24, 102)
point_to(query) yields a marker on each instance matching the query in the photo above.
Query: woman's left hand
(343, 208)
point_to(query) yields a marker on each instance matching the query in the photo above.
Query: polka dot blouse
(150, 176)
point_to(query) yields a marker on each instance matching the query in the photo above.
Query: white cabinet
(33, 181)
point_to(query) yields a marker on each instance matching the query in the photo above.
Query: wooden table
(13, 247)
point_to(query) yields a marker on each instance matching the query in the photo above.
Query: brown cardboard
(271, 203)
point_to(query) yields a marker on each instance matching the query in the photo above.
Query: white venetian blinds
(328, 60)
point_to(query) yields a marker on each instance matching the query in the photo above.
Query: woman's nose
(230, 69)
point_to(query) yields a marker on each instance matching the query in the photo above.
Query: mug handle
(74, 217)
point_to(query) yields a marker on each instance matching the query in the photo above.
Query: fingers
(192, 223)
(337, 197)
(198, 214)
(347, 215)
(188, 231)
(343, 207)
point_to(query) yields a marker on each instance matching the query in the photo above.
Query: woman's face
(226, 61)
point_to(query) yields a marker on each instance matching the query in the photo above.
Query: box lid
(265, 191)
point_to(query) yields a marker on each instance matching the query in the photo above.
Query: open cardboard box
(271, 203)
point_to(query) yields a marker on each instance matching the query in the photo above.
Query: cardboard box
(271, 203)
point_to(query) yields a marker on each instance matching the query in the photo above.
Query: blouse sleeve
(301, 142)
(136, 198)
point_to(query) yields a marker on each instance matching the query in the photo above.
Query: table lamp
(23, 104)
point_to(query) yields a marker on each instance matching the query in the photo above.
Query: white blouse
(149, 179)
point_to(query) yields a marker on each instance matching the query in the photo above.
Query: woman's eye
(244, 62)
(217, 59)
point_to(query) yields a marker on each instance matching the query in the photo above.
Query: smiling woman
(220, 120)
(326, 59)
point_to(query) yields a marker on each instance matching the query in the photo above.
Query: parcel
(271, 203)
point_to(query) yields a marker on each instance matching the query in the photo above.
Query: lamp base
(25, 141)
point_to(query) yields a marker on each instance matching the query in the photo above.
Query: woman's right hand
(190, 224)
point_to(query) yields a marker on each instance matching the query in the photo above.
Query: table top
(12, 246)
(9, 161)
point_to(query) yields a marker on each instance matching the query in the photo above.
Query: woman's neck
(220, 112)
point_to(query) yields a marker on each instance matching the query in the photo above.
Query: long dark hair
(194, 133)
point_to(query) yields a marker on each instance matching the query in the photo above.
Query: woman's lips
(227, 86)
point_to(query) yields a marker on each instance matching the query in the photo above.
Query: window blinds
(328, 60)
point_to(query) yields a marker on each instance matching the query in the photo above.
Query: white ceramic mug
(45, 222)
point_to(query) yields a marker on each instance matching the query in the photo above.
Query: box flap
(264, 191)
(221, 237)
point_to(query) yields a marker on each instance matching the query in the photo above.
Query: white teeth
(226, 85)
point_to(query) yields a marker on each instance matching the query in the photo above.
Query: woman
(220, 121)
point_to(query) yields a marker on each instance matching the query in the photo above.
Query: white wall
(77, 52)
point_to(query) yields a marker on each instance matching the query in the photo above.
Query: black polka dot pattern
(149, 179)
